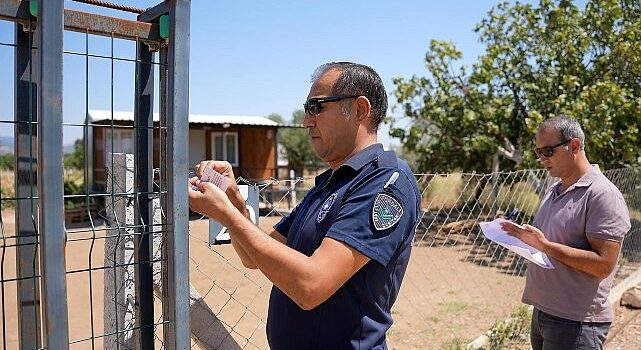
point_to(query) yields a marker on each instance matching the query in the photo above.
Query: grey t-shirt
(592, 207)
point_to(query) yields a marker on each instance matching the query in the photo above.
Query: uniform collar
(356, 162)
(363, 157)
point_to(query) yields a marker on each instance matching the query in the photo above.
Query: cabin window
(224, 146)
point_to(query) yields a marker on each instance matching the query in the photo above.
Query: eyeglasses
(313, 106)
(549, 150)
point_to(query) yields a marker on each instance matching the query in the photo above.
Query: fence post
(122, 283)
(292, 189)
(25, 185)
(495, 183)
(50, 174)
(119, 276)
(174, 114)
(143, 145)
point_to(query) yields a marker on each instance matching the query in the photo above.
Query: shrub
(509, 329)
(7, 161)
(73, 188)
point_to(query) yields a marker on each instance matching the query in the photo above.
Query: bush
(4, 203)
(73, 188)
(454, 344)
(7, 161)
(511, 328)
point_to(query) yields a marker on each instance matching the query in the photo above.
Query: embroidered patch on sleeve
(386, 211)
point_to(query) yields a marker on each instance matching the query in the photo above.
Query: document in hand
(493, 231)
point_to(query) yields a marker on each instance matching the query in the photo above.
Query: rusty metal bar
(105, 25)
(152, 13)
(112, 6)
(78, 21)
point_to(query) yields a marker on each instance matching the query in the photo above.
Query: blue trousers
(555, 333)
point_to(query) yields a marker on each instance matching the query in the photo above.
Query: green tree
(296, 145)
(76, 159)
(539, 61)
(7, 161)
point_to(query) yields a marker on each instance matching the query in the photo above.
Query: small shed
(249, 143)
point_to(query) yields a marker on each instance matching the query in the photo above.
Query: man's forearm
(291, 271)
(237, 200)
(244, 257)
(586, 261)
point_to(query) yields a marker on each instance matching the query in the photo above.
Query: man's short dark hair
(358, 79)
(568, 128)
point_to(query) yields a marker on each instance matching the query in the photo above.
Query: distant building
(247, 142)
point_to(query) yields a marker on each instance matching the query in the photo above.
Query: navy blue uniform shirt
(370, 203)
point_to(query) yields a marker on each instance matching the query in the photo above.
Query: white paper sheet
(493, 231)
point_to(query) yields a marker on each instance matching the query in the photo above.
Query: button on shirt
(592, 207)
(365, 205)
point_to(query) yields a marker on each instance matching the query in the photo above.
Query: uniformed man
(337, 261)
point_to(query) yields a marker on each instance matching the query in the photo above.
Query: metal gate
(43, 296)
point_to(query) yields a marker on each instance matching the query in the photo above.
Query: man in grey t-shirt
(580, 225)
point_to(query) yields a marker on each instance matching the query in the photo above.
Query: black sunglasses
(313, 106)
(549, 150)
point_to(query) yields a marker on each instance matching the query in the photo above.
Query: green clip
(33, 7)
(164, 26)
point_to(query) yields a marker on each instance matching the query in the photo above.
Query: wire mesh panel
(107, 279)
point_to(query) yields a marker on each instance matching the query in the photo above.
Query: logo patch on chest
(327, 205)
(386, 211)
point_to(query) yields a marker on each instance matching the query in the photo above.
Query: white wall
(196, 147)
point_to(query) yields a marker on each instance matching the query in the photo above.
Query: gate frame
(52, 19)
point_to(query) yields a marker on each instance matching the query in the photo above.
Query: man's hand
(598, 261)
(209, 200)
(528, 234)
(221, 167)
(225, 169)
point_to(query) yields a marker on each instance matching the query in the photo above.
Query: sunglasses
(549, 150)
(314, 105)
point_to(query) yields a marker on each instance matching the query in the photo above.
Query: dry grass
(518, 195)
(635, 214)
(447, 191)
(8, 190)
(75, 175)
(442, 191)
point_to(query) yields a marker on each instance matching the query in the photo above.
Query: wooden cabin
(249, 143)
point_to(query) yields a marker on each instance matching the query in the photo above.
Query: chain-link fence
(80, 266)
(458, 284)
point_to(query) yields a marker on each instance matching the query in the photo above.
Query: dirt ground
(625, 333)
(444, 298)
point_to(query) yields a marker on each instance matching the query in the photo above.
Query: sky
(256, 57)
